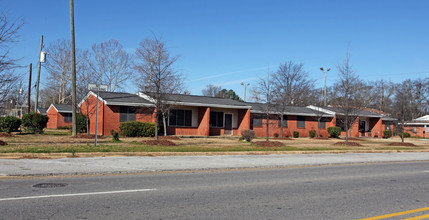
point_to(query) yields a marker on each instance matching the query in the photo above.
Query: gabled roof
(61, 108)
(201, 101)
(288, 110)
(356, 111)
(119, 98)
(423, 118)
(42, 111)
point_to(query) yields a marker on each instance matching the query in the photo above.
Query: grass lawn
(60, 141)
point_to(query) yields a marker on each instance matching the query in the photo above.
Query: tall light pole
(245, 88)
(324, 91)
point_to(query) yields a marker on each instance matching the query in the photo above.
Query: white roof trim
(87, 96)
(329, 112)
(52, 105)
(291, 113)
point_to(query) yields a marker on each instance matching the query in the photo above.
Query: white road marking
(427, 171)
(76, 194)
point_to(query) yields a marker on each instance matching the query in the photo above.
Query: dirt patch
(348, 144)
(87, 136)
(283, 138)
(402, 144)
(6, 135)
(269, 143)
(321, 138)
(2, 142)
(354, 139)
(159, 142)
(168, 138)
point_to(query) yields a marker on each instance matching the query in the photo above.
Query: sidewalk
(109, 165)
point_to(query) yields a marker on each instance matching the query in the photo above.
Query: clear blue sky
(227, 42)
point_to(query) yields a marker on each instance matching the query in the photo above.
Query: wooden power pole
(73, 56)
(29, 90)
(38, 76)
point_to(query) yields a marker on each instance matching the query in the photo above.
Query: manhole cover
(49, 185)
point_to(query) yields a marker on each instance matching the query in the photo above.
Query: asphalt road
(321, 192)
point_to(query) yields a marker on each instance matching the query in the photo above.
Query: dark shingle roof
(117, 98)
(63, 108)
(43, 111)
(194, 100)
(288, 110)
(355, 111)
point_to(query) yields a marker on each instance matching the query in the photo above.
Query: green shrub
(248, 135)
(406, 134)
(296, 134)
(115, 135)
(9, 124)
(81, 123)
(34, 122)
(312, 133)
(334, 132)
(137, 129)
(387, 133)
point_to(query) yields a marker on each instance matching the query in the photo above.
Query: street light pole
(324, 91)
(245, 88)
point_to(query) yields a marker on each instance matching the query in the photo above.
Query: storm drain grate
(49, 185)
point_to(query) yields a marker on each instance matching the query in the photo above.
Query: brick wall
(274, 128)
(56, 120)
(109, 116)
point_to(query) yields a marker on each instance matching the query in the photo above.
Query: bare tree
(157, 76)
(347, 87)
(8, 36)
(403, 106)
(211, 90)
(58, 67)
(263, 92)
(110, 64)
(291, 84)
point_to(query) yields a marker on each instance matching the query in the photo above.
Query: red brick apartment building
(211, 116)
(418, 127)
(59, 115)
(304, 119)
(189, 114)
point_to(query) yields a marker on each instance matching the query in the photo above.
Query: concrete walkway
(108, 165)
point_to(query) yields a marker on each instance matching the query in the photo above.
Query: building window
(300, 122)
(127, 113)
(284, 122)
(340, 123)
(180, 117)
(216, 119)
(67, 117)
(387, 125)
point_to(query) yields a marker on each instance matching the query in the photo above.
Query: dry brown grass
(60, 142)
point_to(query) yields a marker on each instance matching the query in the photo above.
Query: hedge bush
(312, 133)
(34, 122)
(387, 133)
(296, 134)
(248, 135)
(334, 132)
(9, 124)
(406, 134)
(137, 129)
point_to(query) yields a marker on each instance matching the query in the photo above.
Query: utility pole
(73, 56)
(245, 87)
(38, 75)
(324, 93)
(29, 90)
